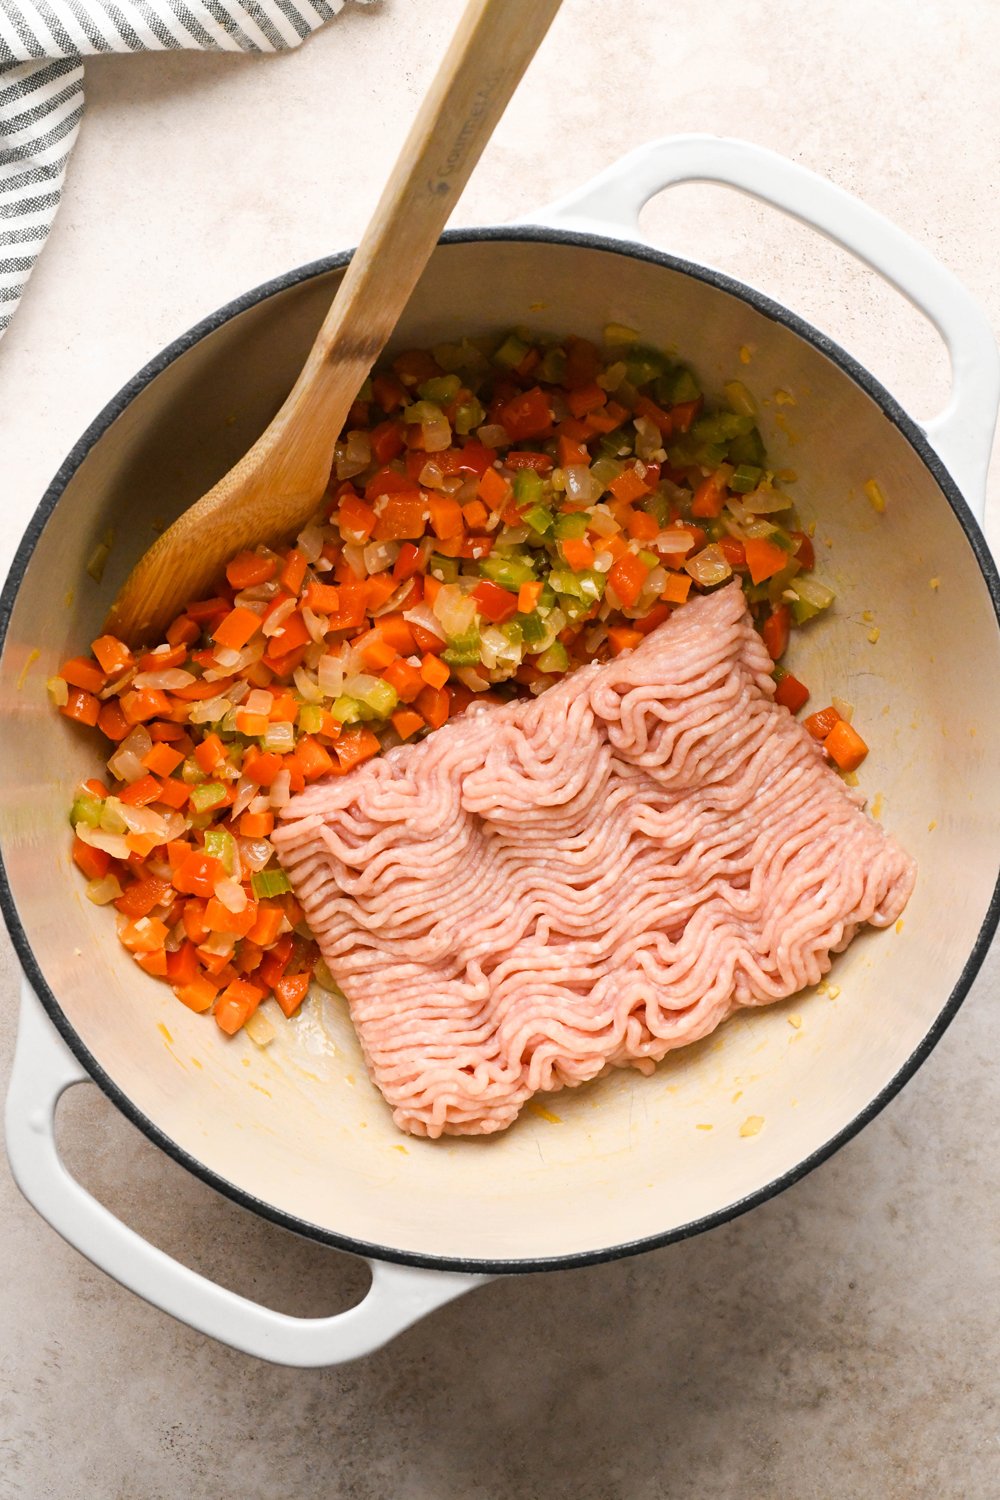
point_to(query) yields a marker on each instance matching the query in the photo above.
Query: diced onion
(431, 475)
(844, 709)
(310, 542)
(455, 610)
(169, 680)
(103, 891)
(281, 788)
(471, 679)
(210, 710)
(280, 737)
(673, 541)
(307, 685)
(354, 557)
(231, 894)
(255, 854)
(765, 501)
(601, 521)
(492, 435)
(112, 843)
(126, 763)
(260, 804)
(144, 820)
(259, 1029)
(709, 566)
(278, 616)
(317, 625)
(221, 944)
(581, 484)
(259, 701)
(246, 791)
(58, 690)
(354, 455)
(330, 674)
(380, 555)
(648, 442)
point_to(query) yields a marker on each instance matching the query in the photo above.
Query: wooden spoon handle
(272, 491)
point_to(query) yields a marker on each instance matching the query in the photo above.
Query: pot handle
(612, 201)
(43, 1068)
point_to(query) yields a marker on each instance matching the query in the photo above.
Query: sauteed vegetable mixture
(499, 512)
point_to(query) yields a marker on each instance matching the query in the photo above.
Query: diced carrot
(528, 596)
(355, 745)
(291, 990)
(294, 571)
(183, 631)
(677, 588)
(570, 452)
(845, 746)
(822, 722)
(710, 495)
(733, 551)
(236, 1005)
(218, 917)
(161, 729)
(621, 638)
(276, 960)
(177, 852)
(139, 899)
(322, 598)
(627, 577)
(493, 489)
(656, 616)
(435, 705)
(764, 558)
(640, 526)
(143, 934)
(80, 672)
(268, 924)
(82, 707)
(352, 605)
(96, 788)
(256, 825)
(388, 391)
(154, 963)
(313, 758)
(193, 918)
(162, 661)
(249, 568)
(683, 414)
(161, 760)
(377, 590)
(446, 516)
(204, 610)
(386, 441)
(210, 753)
(252, 725)
(261, 766)
(111, 721)
(644, 407)
(112, 654)
(397, 632)
(434, 671)
(791, 693)
(197, 993)
(476, 515)
(586, 398)
(404, 678)
(140, 793)
(578, 552)
(355, 518)
(403, 518)
(776, 630)
(237, 628)
(406, 722)
(376, 651)
(93, 862)
(145, 703)
(197, 873)
(630, 485)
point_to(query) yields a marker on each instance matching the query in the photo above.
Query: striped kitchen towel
(41, 89)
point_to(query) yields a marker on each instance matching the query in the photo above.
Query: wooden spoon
(277, 486)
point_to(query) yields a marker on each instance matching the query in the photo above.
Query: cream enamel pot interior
(299, 1135)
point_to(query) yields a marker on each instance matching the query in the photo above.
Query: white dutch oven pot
(299, 1135)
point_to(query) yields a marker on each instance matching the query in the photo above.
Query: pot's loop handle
(611, 203)
(43, 1068)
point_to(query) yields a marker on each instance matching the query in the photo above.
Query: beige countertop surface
(841, 1340)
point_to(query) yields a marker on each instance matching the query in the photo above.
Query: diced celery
(269, 883)
(511, 352)
(441, 389)
(191, 772)
(573, 525)
(546, 598)
(644, 364)
(619, 335)
(658, 506)
(512, 630)
(222, 846)
(552, 368)
(747, 448)
(468, 417)
(744, 478)
(349, 710)
(813, 597)
(528, 487)
(565, 581)
(463, 650)
(86, 809)
(533, 628)
(555, 659)
(649, 558)
(506, 570)
(739, 398)
(443, 568)
(720, 426)
(310, 718)
(613, 444)
(538, 517)
(677, 387)
(207, 795)
(605, 471)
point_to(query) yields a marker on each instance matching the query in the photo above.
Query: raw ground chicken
(590, 879)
